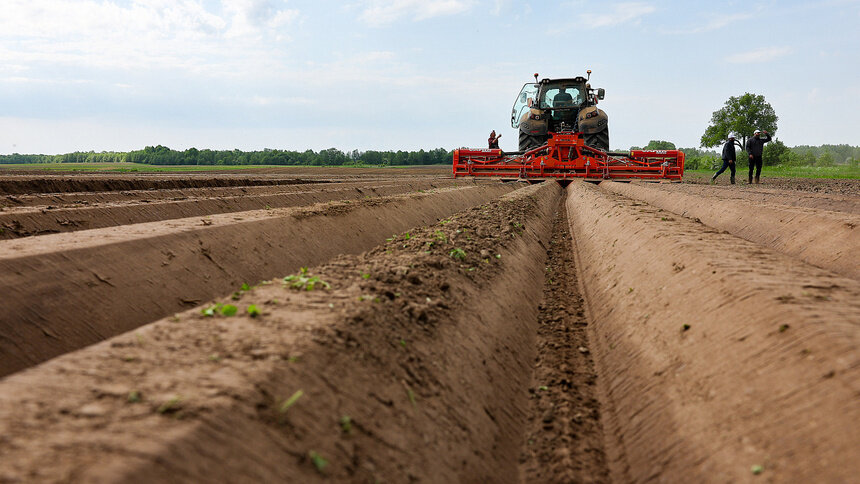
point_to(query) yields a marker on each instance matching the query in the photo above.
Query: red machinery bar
(566, 156)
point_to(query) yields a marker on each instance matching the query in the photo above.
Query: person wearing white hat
(729, 158)
(755, 148)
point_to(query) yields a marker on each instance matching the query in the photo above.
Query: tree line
(162, 155)
(775, 153)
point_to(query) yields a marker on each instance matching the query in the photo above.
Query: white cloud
(618, 14)
(384, 12)
(764, 54)
(153, 34)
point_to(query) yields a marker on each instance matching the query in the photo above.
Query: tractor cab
(556, 99)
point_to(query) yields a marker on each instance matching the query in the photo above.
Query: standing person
(729, 158)
(755, 148)
(494, 140)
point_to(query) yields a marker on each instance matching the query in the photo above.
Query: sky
(118, 75)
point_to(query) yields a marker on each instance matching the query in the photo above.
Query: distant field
(144, 168)
(127, 167)
(799, 171)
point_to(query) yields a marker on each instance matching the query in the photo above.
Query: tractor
(558, 105)
(563, 135)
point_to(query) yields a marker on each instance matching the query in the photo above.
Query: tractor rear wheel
(599, 140)
(528, 141)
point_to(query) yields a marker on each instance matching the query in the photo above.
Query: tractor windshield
(521, 105)
(562, 95)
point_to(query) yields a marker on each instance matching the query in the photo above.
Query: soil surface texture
(305, 324)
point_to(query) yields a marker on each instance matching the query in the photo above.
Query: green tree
(659, 145)
(826, 159)
(742, 115)
(773, 152)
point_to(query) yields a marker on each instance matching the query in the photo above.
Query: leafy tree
(826, 159)
(772, 152)
(742, 115)
(659, 145)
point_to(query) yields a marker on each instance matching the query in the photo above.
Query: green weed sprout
(305, 281)
(291, 401)
(220, 308)
(253, 311)
(346, 424)
(458, 253)
(318, 461)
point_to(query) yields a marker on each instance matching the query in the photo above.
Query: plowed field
(402, 326)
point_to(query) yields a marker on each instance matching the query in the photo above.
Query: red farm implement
(565, 156)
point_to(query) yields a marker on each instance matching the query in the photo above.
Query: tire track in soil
(564, 436)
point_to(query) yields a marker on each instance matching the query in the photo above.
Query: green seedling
(783, 327)
(403, 343)
(215, 357)
(365, 275)
(318, 461)
(440, 236)
(253, 311)
(498, 256)
(346, 424)
(210, 311)
(458, 253)
(543, 388)
(305, 281)
(411, 395)
(757, 469)
(228, 310)
(236, 296)
(685, 327)
(406, 236)
(170, 405)
(134, 396)
(291, 401)
(245, 287)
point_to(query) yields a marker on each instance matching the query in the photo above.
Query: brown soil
(531, 335)
(764, 194)
(715, 354)
(564, 437)
(81, 199)
(824, 238)
(13, 185)
(26, 221)
(69, 290)
(431, 377)
(835, 186)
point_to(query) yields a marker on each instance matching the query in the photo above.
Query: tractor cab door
(526, 97)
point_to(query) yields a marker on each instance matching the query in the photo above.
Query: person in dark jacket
(729, 158)
(755, 148)
(494, 140)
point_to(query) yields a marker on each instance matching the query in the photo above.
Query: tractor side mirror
(601, 93)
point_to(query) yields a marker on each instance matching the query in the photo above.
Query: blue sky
(408, 74)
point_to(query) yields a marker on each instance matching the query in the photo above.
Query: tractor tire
(598, 140)
(528, 141)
